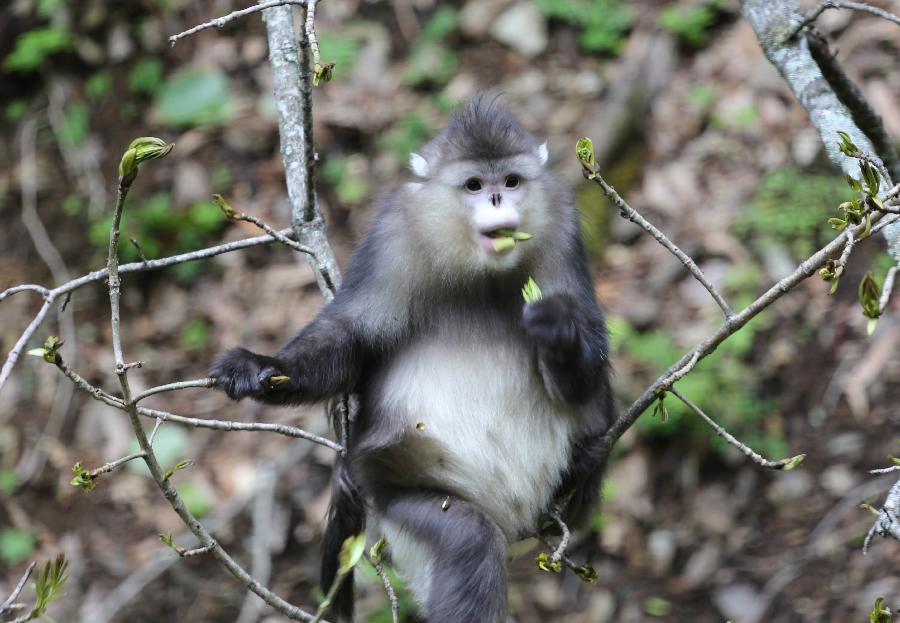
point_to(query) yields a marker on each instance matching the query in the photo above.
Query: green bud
(791, 463)
(322, 73)
(226, 209)
(141, 149)
(544, 563)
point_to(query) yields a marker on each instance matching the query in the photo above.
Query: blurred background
(692, 125)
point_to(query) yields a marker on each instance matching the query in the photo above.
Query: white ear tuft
(542, 153)
(418, 165)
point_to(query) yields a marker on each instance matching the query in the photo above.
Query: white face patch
(418, 165)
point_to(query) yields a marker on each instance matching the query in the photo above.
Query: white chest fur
(504, 444)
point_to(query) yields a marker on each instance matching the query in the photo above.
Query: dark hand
(552, 323)
(241, 374)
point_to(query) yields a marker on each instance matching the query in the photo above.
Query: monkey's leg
(451, 554)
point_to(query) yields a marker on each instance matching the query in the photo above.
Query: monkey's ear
(418, 165)
(542, 153)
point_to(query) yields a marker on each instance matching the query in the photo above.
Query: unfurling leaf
(49, 351)
(584, 151)
(351, 551)
(660, 409)
(141, 149)
(792, 462)
(376, 551)
(226, 209)
(278, 380)
(167, 540)
(48, 585)
(871, 177)
(531, 292)
(853, 183)
(846, 146)
(880, 613)
(544, 563)
(587, 574)
(322, 73)
(82, 478)
(180, 465)
(869, 293)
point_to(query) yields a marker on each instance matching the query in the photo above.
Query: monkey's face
(490, 207)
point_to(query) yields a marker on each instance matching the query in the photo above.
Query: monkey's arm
(323, 360)
(570, 346)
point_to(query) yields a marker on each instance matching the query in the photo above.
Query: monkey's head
(481, 185)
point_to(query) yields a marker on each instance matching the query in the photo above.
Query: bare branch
(887, 288)
(171, 494)
(560, 550)
(25, 287)
(170, 387)
(887, 523)
(7, 605)
(378, 563)
(732, 325)
(17, 348)
(219, 22)
(222, 425)
(631, 214)
(814, 14)
(108, 467)
(731, 439)
(310, 27)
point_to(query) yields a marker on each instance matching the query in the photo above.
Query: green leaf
(180, 465)
(657, 606)
(871, 177)
(587, 574)
(146, 76)
(853, 183)
(376, 550)
(584, 151)
(880, 613)
(869, 293)
(351, 552)
(531, 292)
(544, 563)
(82, 478)
(195, 97)
(33, 47)
(16, 545)
(49, 584)
(793, 462)
(322, 73)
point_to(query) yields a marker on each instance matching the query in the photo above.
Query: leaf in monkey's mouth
(504, 239)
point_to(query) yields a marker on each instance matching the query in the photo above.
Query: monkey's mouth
(501, 240)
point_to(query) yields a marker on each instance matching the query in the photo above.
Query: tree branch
(219, 22)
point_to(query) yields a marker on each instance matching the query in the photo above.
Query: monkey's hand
(552, 323)
(241, 374)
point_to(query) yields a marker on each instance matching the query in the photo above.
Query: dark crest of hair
(482, 129)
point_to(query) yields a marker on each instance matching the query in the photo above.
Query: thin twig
(885, 470)
(814, 14)
(560, 550)
(171, 387)
(159, 476)
(378, 563)
(310, 26)
(7, 605)
(25, 287)
(887, 288)
(219, 22)
(222, 425)
(731, 439)
(731, 326)
(571, 564)
(133, 267)
(632, 215)
(108, 467)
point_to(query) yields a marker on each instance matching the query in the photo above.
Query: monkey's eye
(473, 185)
(512, 181)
